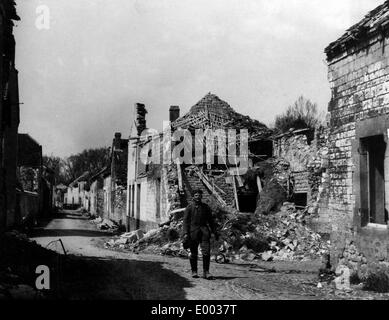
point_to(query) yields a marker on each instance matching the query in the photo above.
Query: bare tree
(69, 169)
(303, 113)
(90, 160)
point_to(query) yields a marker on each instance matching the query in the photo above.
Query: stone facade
(357, 186)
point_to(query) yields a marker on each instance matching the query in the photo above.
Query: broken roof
(372, 24)
(83, 177)
(100, 172)
(214, 113)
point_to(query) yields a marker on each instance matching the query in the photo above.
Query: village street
(98, 273)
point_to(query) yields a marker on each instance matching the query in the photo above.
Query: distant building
(59, 196)
(77, 193)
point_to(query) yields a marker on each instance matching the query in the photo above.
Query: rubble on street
(105, 224)
(247, 237)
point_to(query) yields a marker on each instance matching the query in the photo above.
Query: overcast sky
(80, 79)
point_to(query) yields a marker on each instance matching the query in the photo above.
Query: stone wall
(306, 151)
(359, 80)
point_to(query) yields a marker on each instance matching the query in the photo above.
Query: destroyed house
(156, 190)
(357, 197)
(306, 152)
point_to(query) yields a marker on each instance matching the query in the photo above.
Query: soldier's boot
(193, 265)
(206, 263)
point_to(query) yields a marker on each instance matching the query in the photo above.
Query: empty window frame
(372, 180)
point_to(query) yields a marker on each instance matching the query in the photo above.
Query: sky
(80, 78)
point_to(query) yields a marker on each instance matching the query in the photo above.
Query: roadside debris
(125, 238)
(342, 281)
(283, 236)
(244, 237)
(105, 224)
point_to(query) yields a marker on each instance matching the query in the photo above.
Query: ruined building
(306, 152)
(157, 190)
(9, 114)
(357, 198)
(115, 186)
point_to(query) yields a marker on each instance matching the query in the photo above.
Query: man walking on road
(198, 226)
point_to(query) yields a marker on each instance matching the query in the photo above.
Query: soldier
(198, 226)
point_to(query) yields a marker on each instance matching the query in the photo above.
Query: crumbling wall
(193, 182)
(307, 154)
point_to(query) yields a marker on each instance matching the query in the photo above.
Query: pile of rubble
(105, 224)
(288, 236)
(125, 239)
(247, 237)
(165, 240)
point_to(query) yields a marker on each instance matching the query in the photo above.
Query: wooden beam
(235, 193)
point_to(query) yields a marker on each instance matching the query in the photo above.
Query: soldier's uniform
(199, 224)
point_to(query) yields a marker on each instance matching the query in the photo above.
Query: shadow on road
(68, 233)
(90, 278)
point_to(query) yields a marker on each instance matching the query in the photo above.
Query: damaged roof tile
(375, 22)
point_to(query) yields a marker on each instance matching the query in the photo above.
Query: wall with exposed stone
(359, 80)
(306, 152)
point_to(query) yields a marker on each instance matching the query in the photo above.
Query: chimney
(174, 113)
(141, 112)
(117, 140)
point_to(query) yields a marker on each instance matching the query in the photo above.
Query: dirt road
(93, 272)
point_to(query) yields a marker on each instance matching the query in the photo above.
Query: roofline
(357, 36)
(101, 171)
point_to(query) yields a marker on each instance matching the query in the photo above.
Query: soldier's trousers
(205, 246)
